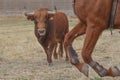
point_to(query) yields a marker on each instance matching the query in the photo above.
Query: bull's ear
(51, 15)
(29, 16)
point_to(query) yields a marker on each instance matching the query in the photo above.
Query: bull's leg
(49, 60)
(61, 49)
(78, 30)
(49, 50)
(55, 52)
(92, 35)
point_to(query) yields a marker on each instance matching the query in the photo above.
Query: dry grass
(21, 57)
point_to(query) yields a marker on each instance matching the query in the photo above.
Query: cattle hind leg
(78, 30)
(60, 49)
(92, 35)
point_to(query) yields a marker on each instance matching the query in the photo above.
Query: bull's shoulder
(60, 15)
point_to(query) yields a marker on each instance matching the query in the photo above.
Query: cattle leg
(49, 59)
(92, 35)
(55, 52)
(49, 52)
(61, 49)
(78, 30)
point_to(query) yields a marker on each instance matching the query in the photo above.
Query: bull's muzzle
(42, 32)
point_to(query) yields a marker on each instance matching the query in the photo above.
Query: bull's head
(40, 18)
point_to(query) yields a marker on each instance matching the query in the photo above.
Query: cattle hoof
(85, 69)
(55, 57)
(60, 55)
(50, 64)
(66, 59)
(114, 71)
(67, 62)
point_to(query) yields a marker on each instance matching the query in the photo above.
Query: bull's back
(60, 25)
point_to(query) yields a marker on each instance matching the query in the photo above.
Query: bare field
(22, 58)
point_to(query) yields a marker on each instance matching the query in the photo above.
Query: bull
(50, 29)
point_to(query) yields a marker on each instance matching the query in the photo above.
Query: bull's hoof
(60, 55)
(55, 57)
(66, 59)
(50, 64)
(85, 69)
(114, 71)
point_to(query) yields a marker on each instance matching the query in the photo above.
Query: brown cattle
(50, 29)
(94, 16)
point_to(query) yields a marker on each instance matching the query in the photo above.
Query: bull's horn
(51, 12)
(31, 13)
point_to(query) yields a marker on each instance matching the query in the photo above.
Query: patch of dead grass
(21, 57)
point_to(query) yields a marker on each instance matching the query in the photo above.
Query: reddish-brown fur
(94, 17)
(50, 29)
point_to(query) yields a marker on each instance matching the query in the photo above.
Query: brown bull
(94, 17)
(50, 29)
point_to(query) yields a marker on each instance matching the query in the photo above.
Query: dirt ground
(22, 58)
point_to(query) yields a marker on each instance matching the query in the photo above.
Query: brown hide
(60, 22)
(94, 17)
(55, 26)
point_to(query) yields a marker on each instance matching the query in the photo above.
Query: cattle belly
(117, 15)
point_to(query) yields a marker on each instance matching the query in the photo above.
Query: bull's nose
(41, 32)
